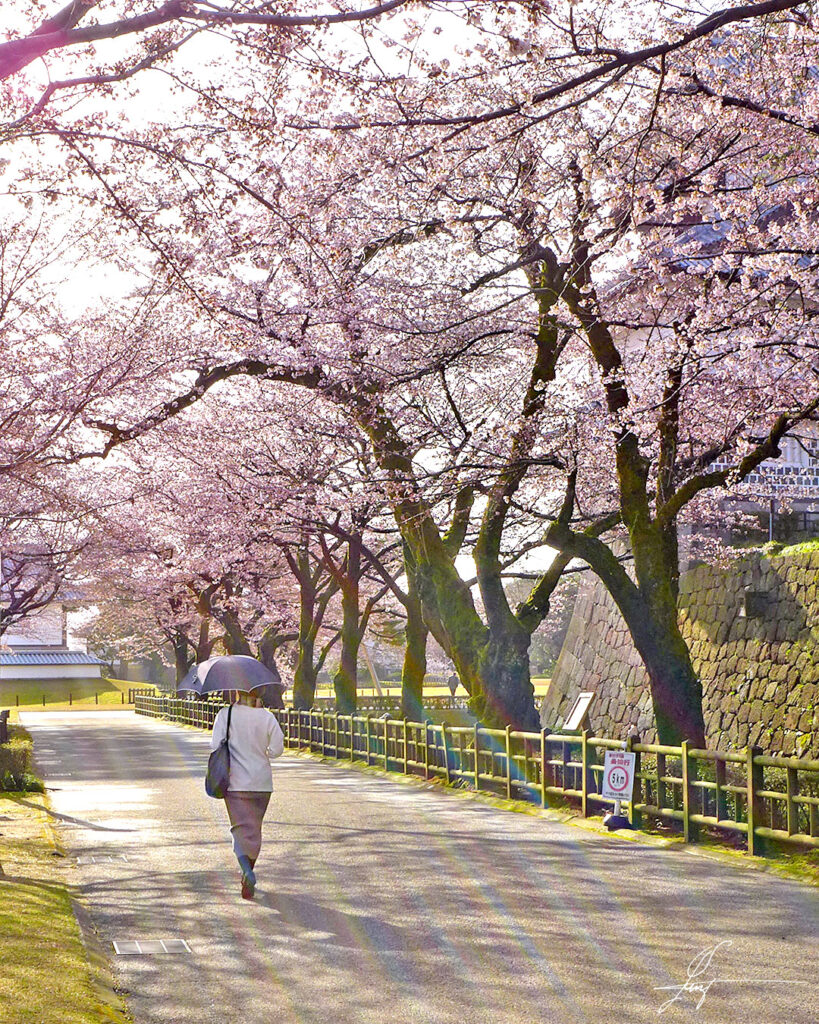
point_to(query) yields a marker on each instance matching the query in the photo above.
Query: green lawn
(32, 693)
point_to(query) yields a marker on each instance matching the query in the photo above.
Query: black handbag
(217, 779)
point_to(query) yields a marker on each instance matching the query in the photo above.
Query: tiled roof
(48, 658)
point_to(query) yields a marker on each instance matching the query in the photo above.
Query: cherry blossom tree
(569, 329)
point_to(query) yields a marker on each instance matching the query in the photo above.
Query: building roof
(48, 658)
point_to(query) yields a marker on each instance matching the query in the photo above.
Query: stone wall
(757, 654)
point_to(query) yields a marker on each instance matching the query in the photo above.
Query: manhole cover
(145, 947)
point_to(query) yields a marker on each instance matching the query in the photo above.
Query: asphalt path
(381, 902)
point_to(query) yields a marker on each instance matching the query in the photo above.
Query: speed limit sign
(618, 775)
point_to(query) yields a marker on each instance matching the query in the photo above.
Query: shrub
(16, 768)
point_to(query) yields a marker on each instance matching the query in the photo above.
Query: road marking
(101, 858)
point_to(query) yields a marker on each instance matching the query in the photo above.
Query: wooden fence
(748, 793)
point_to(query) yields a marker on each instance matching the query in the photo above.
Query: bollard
(69, 698)
(43, 700)
(96, 698)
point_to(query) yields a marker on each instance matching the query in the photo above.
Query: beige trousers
(246, 811)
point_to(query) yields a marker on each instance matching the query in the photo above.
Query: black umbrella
(227, 672)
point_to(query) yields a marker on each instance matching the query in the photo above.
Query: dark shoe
(248, 877)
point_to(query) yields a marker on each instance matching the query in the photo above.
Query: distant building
(783, 494)
(41, 647)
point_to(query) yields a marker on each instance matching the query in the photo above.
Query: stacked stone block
(753, 633)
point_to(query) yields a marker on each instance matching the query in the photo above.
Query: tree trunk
(492, 664)
(415, 662)
(304, 679)
(235, 640)
(345, 681)
(204, 643)
(650, 612)
(506, 695)
(181, 657)
(676, 692)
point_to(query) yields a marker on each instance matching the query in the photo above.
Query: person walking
(255, 737)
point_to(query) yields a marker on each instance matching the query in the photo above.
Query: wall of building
(760, 673)
(49, 673)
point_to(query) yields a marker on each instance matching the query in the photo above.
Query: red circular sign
(617, 779)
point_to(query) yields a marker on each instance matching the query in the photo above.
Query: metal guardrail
(751, 794)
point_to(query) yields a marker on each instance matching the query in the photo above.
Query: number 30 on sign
(618, 775)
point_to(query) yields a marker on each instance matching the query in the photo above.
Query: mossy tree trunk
(315, 591)
(348, 575)
(345, 680)
(415, 655)
(491, 657)
(648, 603)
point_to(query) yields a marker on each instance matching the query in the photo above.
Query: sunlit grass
(46, 976)
(61, 695)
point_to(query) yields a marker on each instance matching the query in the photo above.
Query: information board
(618, 775)
(580, 710)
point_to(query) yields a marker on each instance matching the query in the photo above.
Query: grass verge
(49, 975)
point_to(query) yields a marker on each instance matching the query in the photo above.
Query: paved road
(385, 903)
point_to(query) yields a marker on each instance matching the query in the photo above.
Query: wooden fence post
(508, 762)
(636, 816)
(406, 748)
(352, 736)
(335, 735)
(584, 792)
(721, 779)
(661, 786)
(367, 732)
(426, 748)
(446, 751)
(793, 807)
(756, 781)
(386, 743)
(542, 767)
(476, 765)
(689, 830)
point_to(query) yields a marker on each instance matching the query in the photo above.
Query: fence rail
(748, 793)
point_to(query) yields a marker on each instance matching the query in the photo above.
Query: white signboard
(618, 775)
(580, 709)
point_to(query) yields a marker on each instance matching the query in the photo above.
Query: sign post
(618, 785)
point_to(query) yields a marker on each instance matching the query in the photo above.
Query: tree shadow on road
(342, 928)
(74, 821)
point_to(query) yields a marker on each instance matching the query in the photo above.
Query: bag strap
(227, 730)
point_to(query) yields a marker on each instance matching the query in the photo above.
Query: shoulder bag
(217, 779)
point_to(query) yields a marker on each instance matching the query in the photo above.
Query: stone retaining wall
(757, 654)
